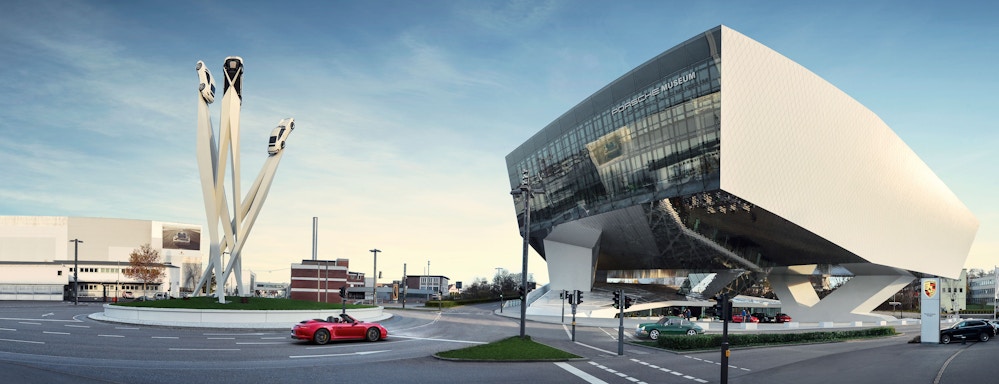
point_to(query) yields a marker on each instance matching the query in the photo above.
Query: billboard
(181, 237)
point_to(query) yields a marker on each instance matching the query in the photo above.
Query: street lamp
(524, 190)
(76, 270)
(374, 279)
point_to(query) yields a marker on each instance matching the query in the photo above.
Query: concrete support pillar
(853, 301)
(571, 252)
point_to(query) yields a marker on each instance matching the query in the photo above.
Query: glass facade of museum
(652, 139)
(651, 134)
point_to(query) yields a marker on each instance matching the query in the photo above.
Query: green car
(668, 325)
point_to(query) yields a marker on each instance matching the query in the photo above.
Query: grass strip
(513, 348)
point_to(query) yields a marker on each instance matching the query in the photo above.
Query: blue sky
(405, 110)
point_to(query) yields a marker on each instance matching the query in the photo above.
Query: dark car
(668, 325)
(782, 318)
(763, 317)
(979, 330)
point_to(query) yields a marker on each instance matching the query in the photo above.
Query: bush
(684, 343)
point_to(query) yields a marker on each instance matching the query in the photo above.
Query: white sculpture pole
(212, 161)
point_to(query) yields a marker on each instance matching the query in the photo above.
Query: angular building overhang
(797, 146)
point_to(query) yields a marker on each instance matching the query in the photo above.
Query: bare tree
(144, 265)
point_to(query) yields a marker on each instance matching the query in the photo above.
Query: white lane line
(28, 322)
(567, 333)
(446, 340)
(45, 320)
(274, 338)
(235, 334)
(336, 354)
(204, 349)
(132, 328)
(55, 333)
(23, 341)
(598, 349)
(674, 373)
(110, 336)
(260, 343)
(580, 374)
(165, 337)
(619, 374)
(717, 363)
(8, 329)
(76, 326)
(221, 338)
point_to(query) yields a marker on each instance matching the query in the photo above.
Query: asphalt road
(57, 343)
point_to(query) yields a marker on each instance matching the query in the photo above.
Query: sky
(406, 110)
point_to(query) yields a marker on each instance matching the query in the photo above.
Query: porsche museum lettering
(655, 92)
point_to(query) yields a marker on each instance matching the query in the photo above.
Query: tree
(144, 265)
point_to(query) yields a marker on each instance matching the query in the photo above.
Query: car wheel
(691, 332)
(322, 336)
(373, 334)
(654, 334)
(983, 337)
(945, 339)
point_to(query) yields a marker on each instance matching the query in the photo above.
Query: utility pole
(404, 285)
(76, 270)
(524, 190)
(374, 279)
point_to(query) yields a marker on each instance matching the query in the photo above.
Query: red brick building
(321, 280)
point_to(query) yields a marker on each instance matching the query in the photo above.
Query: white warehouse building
(38, 254)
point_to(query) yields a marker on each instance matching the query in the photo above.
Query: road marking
(236, 334)
(672, 372)
(8, 329)
(76, 326)
(221, 338)
(48, 314)
(204, 349)
(56, 333)
(619, 374)
(260, 343)
(132, 328)
(45, 320)
(110, 336)
(274, 338)
(26, 322)
(946, 363)
(165, 337)
(601, 350)
(567, 333)
(580, 374)
(336, 354)
(717, 363)
(23, 341)
(446, 340)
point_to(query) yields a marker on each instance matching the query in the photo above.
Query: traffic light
(579, 297)
(520, 291)
(628, 301)
(617, 299)
(343, 292)
(572, 300)
(561, 295)
(717, 308)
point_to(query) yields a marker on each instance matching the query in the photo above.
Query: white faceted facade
(806, 151)
(721, 164)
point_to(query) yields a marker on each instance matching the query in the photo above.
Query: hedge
(711, 341)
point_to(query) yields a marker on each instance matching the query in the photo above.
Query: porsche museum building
(721, 165)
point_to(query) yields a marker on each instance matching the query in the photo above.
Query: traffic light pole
(620, 327)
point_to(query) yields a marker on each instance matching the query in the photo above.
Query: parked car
(343, 327)
(161, 296)
(668, 325)
(994, 324)
(979, 330)
(749, 319)
(127, 295)
(782, 318)
(763, 317)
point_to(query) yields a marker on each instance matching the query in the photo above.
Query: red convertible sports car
(343, 327)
